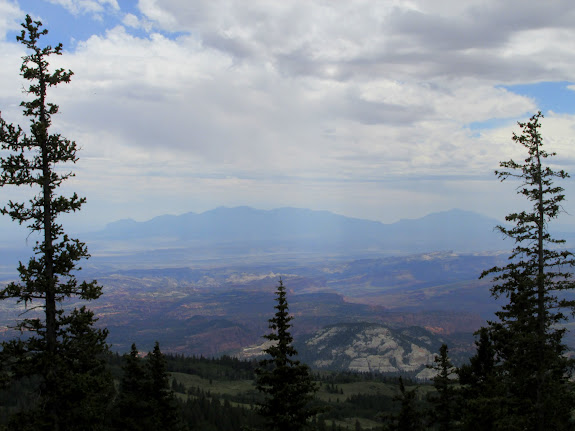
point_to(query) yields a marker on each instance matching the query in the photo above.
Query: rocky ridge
(366, 347)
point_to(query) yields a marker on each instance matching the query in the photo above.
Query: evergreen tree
(86, 387)
(145, 401)
(408, 418)
(286, 382)
(483, 397)
(162, 397)
(133, 409)
(530, 355)
(53, 338)
(443, 400)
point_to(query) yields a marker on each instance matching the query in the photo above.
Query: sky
(376, 109)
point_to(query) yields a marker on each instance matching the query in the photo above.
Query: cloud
(158, 14)
(354, 39)
(362, 107)
(9, 15)
(76, 7)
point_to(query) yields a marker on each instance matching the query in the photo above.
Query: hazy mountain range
(245, 234)
(286, 233)
(454, 229)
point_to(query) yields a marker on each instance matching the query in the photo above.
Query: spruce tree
(145, 401)
(530, 363)
(444, 399)
(56, 342)
(482, 400)
(286, 382)
(133, 408)
(162, 397)
(409, 417)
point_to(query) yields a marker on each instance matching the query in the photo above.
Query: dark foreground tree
(443, 400)
(530, 363)
(145, 401)
(409, 417)
(482, 392)
(286, 382)
(59, 349)
(161, 395)
(132, 407)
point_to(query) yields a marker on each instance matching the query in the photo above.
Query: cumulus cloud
(9, 13)
(354, 39)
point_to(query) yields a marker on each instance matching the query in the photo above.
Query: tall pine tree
(530, 361)
(286, 382)
(62, 350)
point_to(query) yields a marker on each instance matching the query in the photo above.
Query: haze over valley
(204, 283)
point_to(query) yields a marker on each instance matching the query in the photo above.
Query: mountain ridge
(305, 229)
(245, 235)
(222, 209)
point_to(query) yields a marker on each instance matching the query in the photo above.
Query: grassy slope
(234, 388)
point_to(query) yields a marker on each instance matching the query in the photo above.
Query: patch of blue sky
(69, 28)
(63, 26)
(548, 96)
(492, 123)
